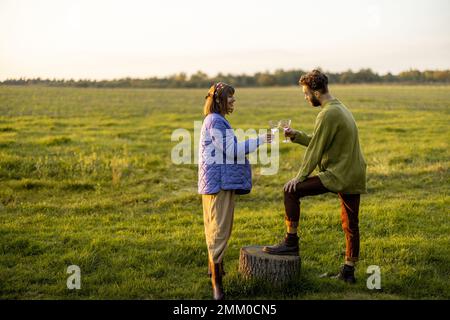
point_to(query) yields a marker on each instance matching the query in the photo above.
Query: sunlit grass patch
(86, 178)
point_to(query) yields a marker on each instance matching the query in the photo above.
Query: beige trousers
(218, 212)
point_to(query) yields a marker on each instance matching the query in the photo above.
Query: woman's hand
(267, 137)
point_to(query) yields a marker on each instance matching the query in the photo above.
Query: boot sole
(282, 253)
(336, 277)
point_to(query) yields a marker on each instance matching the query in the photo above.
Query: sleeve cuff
(300, 178)
(295, 137)
(261, 140)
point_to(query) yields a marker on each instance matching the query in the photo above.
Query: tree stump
(254, 263)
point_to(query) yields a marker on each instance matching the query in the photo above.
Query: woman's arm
(224, 139)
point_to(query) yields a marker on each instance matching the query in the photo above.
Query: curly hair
(315, 80)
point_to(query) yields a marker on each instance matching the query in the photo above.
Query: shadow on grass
(238, 287)
(78, 186)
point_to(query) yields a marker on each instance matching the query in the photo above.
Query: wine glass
(273, 128)
(285, 124)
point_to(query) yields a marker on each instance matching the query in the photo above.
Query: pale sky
(105, 39)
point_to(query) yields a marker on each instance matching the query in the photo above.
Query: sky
(107, 39)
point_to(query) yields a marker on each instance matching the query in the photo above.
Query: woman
(224, 171)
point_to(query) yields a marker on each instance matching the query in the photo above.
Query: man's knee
(291, 195)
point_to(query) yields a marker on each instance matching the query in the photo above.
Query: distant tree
(262, 79)
(411, 76)
(347, 77)
(265, 79)
(199, 80)
(389, 77)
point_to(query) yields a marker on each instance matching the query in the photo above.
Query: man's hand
(291, 185)
(289, 132)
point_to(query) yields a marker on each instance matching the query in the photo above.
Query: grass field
(86, 179)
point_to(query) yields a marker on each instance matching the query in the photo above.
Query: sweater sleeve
(224, 140)
(302, 138)
(324, 131)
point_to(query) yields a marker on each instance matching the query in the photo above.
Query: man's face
(310, 97)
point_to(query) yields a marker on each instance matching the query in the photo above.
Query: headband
(218, 88)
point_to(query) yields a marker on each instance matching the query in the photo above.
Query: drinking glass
(285, 124)
(273, 128)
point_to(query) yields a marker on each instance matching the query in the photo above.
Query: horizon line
(223, 73)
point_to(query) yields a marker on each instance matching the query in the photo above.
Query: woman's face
(230, 103)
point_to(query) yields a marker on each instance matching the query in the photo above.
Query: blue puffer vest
(225, 174)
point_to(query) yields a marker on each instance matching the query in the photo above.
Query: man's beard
(315, 102)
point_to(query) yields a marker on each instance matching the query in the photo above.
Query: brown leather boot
(216, 280)
(210, 272)
(289, 246)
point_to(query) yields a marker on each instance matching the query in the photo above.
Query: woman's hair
(217, 98)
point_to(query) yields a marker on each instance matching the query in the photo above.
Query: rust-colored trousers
(349, 212)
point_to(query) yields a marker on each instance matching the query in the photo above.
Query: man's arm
(301, 137)
(324, 131)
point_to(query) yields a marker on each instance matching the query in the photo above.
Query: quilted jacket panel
(212, 177)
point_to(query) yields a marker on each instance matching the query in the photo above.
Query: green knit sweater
(334, 147)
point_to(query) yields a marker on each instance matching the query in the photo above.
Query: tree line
(260, 79)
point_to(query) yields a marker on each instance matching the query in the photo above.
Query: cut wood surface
(254, 263)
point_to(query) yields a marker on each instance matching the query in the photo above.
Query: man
(334, 148)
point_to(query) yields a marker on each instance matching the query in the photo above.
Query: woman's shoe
(216, 280)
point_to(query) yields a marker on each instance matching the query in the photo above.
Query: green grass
(86, 179)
